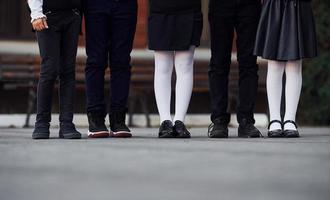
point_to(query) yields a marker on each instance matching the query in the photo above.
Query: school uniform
(226, 17)
(286, 35)
(58, 49)
(110, 30)
(175, 29)
(174, 25)
(286, 31)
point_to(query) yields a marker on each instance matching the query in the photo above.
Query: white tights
(164, 63)
(293, 71)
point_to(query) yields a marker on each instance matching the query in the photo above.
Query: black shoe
(247, 129)
(41, 131)
(69, 131)
(218, 129)
(118, 126)
(291, 133)
(166, 130)
(278, 133)
(180, 130)
(97, 128)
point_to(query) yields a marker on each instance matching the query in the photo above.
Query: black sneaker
(69, 131)
(180, 130)
(97, 128)
(118, 126)
(247, 129)
(41, 131)
(166, 130)
(218, 129)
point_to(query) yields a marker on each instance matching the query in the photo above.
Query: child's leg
(184, 67)
(69, 46)
(49, 45)
(293, 71)
(163, 76)
(274, 91)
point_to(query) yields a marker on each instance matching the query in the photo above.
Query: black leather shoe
(41, 131)
(218, 129)
(166, 130)
(180, 130)
(97, 128)
(247, 129)
(69, 131)
(278, 133)
(117, 125)
(291, 133)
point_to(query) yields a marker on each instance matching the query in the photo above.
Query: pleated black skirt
(286, 31)
(174, 32)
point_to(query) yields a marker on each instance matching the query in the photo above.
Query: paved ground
(147, 168)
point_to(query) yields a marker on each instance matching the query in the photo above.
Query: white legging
(164, 63)
(293, 72)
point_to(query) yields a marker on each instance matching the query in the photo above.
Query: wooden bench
(22, 71)
(17, 72)
(143, 76)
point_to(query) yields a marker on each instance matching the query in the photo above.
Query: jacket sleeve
(36, 9)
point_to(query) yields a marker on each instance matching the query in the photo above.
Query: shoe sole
(276, 136)
(40, 136)
(183, 137)
(101, 134)
(250, 136)
(166, 136)
(120, 134)
(253, 135)
(70, 136)
(219, 136)
(292, 136)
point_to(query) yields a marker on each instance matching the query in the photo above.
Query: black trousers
(58, 49)
(110, 30)
(226, 17)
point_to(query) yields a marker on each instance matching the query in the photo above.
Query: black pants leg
(246, 29)
(222, 23)
(58, 47)
(49, 41)
(225, 17)
(110, 32)
(123, 25)
(69, 45)
(97, 41)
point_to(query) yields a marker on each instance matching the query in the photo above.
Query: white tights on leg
(293, 70)
(164, 62)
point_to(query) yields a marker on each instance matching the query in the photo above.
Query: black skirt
(286, 31)
(174, 32)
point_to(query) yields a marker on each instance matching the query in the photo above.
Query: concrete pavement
(144, 167)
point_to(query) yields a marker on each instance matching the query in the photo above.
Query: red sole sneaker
(102, 134)
(120, 134)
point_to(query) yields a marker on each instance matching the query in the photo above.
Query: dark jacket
(61, 5)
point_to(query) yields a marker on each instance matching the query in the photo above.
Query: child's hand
(40, 24)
